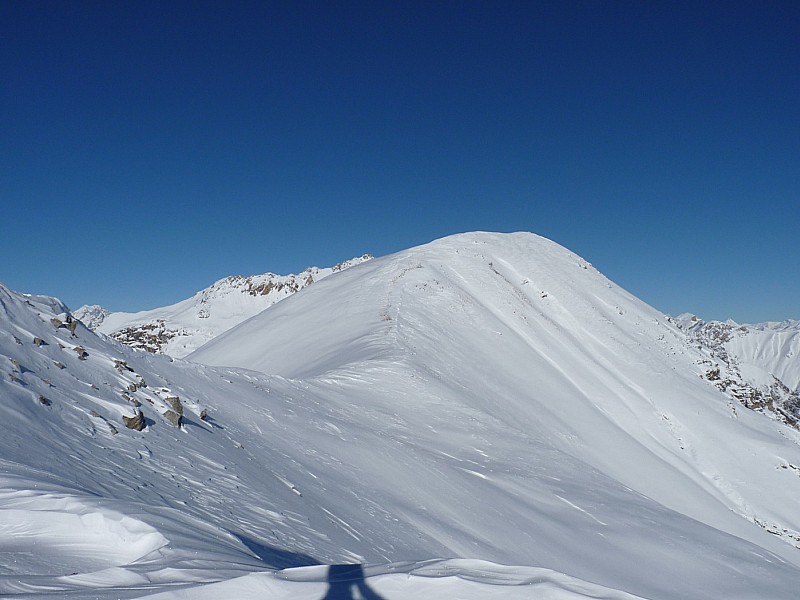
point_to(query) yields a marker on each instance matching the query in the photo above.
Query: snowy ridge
(484, 400)
(179, 329)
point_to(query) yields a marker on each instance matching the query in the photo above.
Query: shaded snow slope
(486, 399)
(179, 329)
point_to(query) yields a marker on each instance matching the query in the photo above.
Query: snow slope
(501, 336)
(179, 329)
(484, 400)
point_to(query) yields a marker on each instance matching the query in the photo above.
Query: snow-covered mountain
(483, 416)
(756, 364)
(179, 329)
(91, 315)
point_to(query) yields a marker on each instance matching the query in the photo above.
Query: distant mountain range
(758, 365)
(180, 328)
(762, 350)
(483, 416)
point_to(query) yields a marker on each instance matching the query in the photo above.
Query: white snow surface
(180, 328)
(486, 416)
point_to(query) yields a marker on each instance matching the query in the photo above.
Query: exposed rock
(151, 337)
(137, 385)
(173, 418)
(204, 415)
(60, 365)
(136, 422)
(175, 403)
(56, 322)
(44, 401)
(122, 365)
(39, 342)
(82, 354)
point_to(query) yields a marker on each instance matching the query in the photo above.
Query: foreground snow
(462, 579)
(488, 399)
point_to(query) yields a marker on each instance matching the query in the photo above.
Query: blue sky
(150, 148)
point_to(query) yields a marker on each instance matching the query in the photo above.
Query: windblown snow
(484, 416)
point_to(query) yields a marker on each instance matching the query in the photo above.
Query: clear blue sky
(150, 148)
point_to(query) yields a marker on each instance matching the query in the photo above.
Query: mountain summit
(487, 398)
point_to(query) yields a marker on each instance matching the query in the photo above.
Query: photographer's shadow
(347, 583)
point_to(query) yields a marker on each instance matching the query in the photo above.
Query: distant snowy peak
(181, 328)
(91, 315)
(757, 364)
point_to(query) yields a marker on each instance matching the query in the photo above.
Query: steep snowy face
(179, 329)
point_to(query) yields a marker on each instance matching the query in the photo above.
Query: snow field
(487, 398)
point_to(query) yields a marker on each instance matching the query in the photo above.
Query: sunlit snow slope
(179, 329)
(484, 400)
